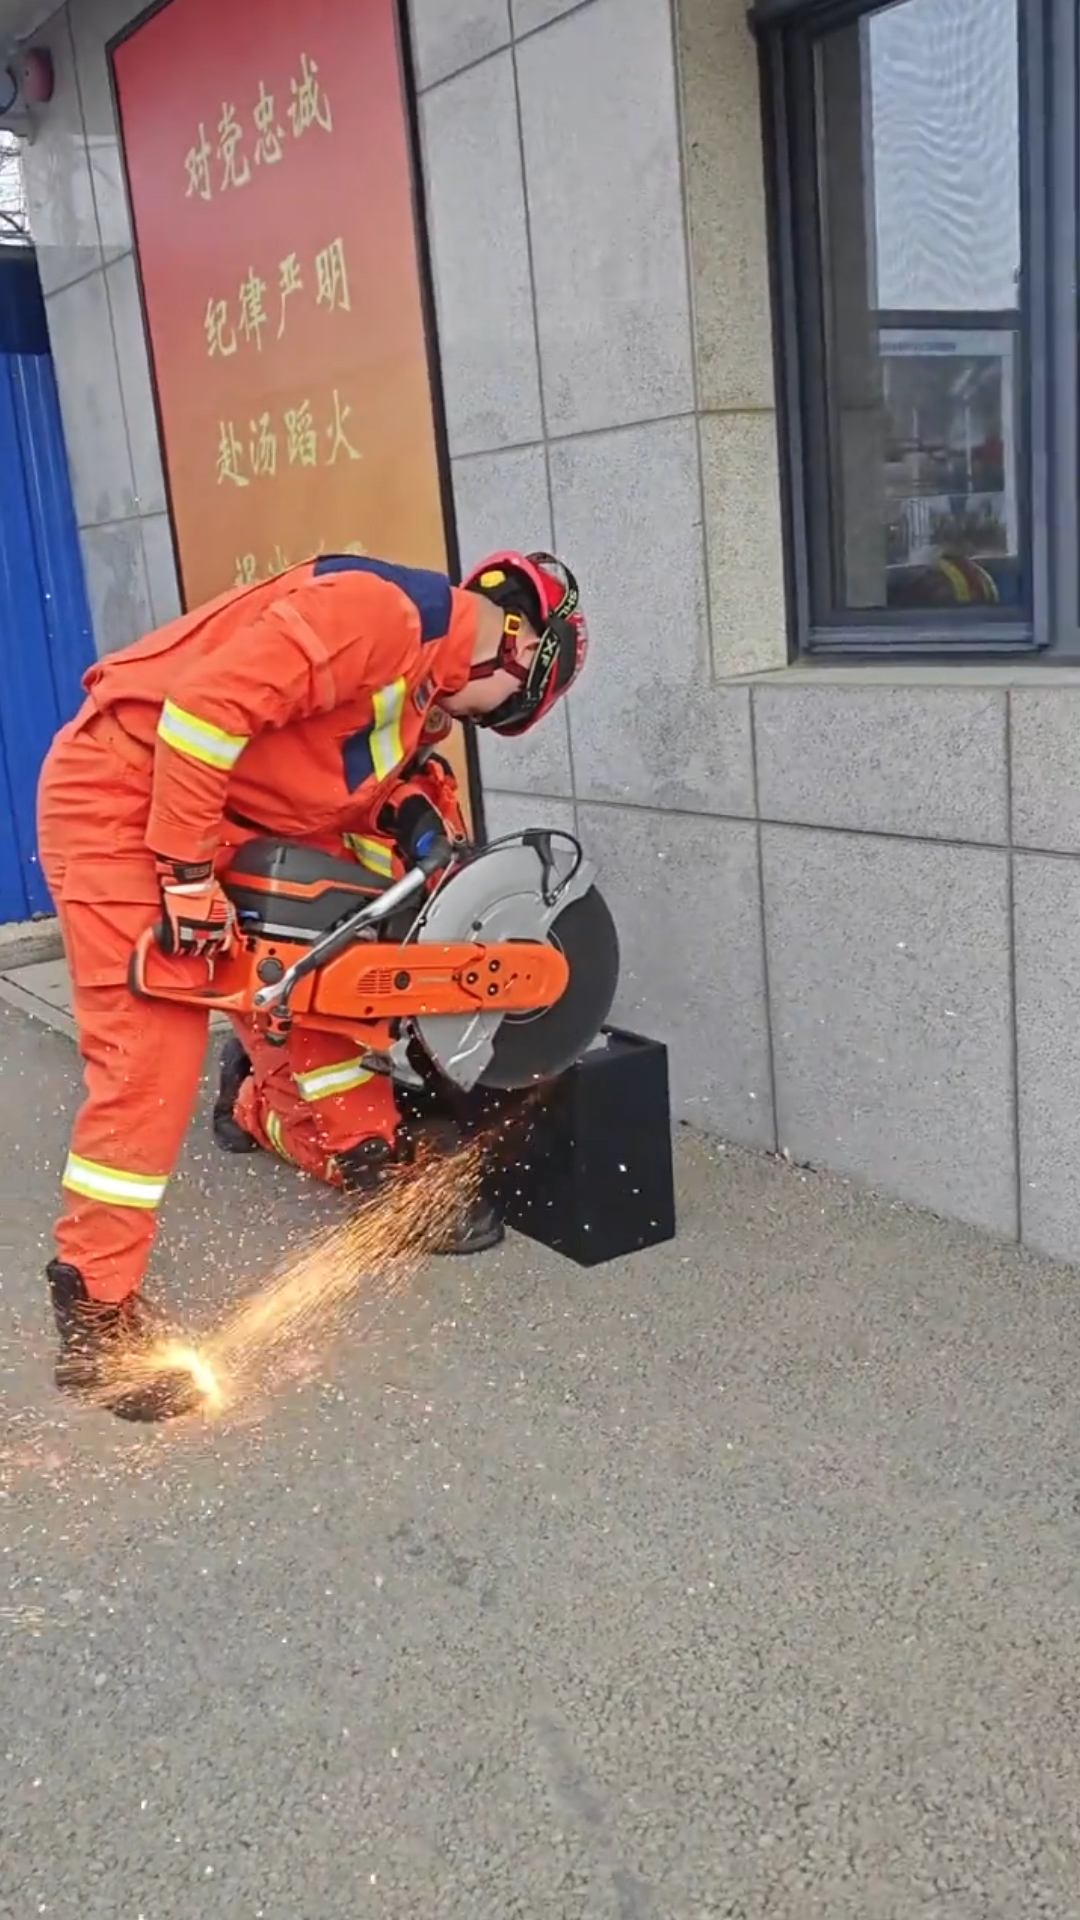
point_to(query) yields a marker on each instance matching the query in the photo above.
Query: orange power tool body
(501, 963)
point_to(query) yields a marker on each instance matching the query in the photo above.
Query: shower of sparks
(374, 1253)
(367, 1258)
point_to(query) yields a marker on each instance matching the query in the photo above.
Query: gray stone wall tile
(88, 380)
(450, 34)
(480, 260)
(1047, 915)
(686, 900)
(924, 761)
(889, 975)
(604, 183)
(647, 726)
(1046, 768)
(116, 584)
(56, 166)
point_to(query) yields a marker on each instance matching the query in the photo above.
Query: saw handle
(438, 856)
(278, 994)
(154, 939)
(341, 937)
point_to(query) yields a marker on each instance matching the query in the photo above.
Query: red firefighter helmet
(543, 590)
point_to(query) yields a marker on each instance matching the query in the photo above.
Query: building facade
(767, 322)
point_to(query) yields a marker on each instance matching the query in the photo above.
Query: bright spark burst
(372, 1253)
(175, 1357)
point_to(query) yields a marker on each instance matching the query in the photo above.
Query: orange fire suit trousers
(142, 1059)
(313, 1099)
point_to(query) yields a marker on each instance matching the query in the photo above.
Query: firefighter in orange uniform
(295, 707)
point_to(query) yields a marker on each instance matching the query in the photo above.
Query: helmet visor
(553, 667)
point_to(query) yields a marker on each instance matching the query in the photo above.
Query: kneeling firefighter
(302, 708)
(313, 1101)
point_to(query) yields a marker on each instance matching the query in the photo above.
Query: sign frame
(426, 282)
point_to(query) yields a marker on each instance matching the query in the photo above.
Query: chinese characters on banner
(307, 109)
(272, 201)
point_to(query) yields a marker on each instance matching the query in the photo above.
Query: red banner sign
(270, 174)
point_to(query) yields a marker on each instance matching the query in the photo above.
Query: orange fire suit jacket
(287, 707)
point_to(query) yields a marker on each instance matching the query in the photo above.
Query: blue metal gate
(46, 633)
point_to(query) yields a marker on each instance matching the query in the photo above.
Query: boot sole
(231, 1137)
(483, 1243)
(151, 1408)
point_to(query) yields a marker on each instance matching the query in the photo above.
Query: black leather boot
(230, 1136)
(366, 1167)
(478, 1226)
(477, 1229)
(101, 1346)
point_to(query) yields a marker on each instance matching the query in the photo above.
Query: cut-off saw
(495, 967)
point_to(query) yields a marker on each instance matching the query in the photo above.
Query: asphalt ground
(738, 1579)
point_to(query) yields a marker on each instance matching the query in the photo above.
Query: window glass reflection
(921, 243)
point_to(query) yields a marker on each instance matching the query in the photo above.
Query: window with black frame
(906, 182)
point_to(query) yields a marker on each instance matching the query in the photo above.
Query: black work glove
(420, 832)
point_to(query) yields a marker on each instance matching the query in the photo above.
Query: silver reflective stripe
(199, 739)
(324, 1081)
(114, 1185)
(387, 706)
(274, 1135)
(371, 854)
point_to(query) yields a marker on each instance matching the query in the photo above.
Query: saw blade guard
(532, 886)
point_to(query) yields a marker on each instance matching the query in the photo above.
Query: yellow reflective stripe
(199, 739)
(371, 854)
(959, 581)
(273, 1134)
(114, 1184)
(324, 1081)
(387, 706)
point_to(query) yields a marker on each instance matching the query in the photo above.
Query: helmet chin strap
(505, 659)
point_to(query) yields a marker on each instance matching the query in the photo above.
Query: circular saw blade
(505, 895)
(531, 1047)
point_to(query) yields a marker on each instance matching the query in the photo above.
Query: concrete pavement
(738, 1580)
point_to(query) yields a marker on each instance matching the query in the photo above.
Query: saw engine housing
(498, 971)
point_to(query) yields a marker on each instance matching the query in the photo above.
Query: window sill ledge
(902, 673)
